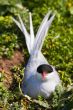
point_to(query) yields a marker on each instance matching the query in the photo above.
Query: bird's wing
(34, 45)
(22, 27)
(31, 32)
(41, 34)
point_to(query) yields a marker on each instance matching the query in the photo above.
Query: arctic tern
(40, 78)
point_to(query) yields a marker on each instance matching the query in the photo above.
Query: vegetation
(58, 51)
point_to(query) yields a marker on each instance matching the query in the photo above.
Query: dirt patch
(7, 64)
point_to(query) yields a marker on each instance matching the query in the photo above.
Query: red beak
(44, 75)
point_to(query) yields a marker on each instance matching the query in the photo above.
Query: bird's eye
(44, 67)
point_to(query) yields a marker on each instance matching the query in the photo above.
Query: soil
(7, 64)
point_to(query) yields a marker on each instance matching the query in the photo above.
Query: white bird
(40, 78)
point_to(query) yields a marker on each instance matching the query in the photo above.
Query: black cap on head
(44, 67)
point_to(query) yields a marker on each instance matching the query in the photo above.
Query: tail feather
(34, 45)
(42, 34)
(42, 25)
(26, 34)
(31, 32)
(17, 23)
(20, 24)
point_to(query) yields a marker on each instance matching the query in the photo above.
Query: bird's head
(44, 71)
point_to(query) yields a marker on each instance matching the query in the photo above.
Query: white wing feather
(27, 36)
(34, 45)
(42, 24)
(41, 36)
(23, 29)
(31, 32)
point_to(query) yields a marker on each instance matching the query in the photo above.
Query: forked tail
(34, 45)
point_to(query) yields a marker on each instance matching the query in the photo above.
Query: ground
(7, 64)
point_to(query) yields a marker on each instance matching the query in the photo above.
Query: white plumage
(33, 83)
